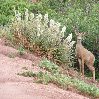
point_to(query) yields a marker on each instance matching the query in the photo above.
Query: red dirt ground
(13, 86)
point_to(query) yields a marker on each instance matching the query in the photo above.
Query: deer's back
(84, 54)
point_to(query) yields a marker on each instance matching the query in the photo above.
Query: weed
(25, 68)
(21, 50)
(27, 74)
(11, 55)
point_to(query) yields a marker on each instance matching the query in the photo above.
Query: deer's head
(79, 34)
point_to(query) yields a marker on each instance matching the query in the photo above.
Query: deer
(84, 56)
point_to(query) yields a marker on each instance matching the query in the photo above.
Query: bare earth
(13, 86)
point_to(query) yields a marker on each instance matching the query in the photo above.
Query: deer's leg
(93, 71)
(93, 75)
(79, 60)
(82, 65)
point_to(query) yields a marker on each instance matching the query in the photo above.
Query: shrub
(42, 35)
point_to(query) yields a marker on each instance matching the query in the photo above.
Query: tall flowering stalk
(26, 15)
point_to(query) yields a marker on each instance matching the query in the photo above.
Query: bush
(42, 35)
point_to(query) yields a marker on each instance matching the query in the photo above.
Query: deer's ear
(76, 33)
(83, 33)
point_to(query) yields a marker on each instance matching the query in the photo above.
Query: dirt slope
(13, 86)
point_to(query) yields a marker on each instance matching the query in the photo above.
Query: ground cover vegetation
(54, 75)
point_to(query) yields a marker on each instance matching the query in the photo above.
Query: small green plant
(21, 50)
(50, 66)
(27, 74)
(11, 55)
(43, 78)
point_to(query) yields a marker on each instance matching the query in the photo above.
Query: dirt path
(13, 86)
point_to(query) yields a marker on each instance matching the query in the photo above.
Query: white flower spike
(18, 16)
(58, 24)
(46, 18)
(69, 38)
(31, 16)
(52, 22)
(63, 29)
(71, 44)
(26, 15)
(39, 16)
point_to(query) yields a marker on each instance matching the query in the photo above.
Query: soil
(13, 86)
